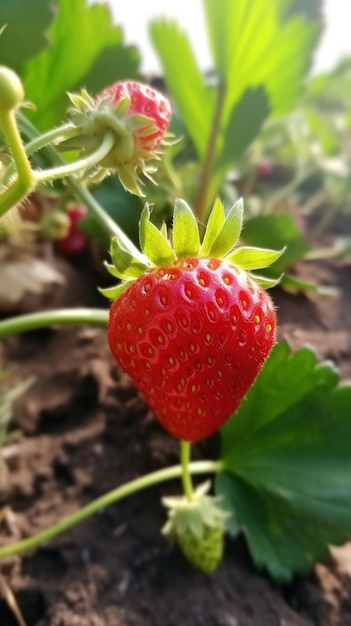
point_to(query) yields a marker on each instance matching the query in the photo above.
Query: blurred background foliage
(255, 125)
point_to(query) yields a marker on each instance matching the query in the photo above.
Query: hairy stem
(55, 135)
(200, 467)
(32, 321)
(62, 171)
(24, 181)
(83, 194)
(65, 131)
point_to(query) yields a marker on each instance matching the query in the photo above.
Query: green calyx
(197, 526)
(93, 118)
(219, 241)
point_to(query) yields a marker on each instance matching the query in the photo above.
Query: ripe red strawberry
(75, 240)
(193, 333)
(138, 117)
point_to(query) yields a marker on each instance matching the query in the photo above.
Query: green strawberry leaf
(230, 232)
(124, 264)
(114, 292)
(261, 55)
(228, 235)
(186, 237)
(276, 231)
(244, 124)
(153, 243)
(253, 44)
(267, 283)
(254, 258)
(195, 101)
(287, 463)
(24, 35)
(84, 34)
(214, 226)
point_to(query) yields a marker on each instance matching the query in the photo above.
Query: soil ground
(85, 431)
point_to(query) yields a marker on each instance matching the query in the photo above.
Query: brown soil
(85, 431)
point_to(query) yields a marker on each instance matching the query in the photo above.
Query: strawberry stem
(81, 192)
(200, 467)
(80, 165)
(65, 131)
(24, 181)
(202, 200)
(32, 321)
(185, 448)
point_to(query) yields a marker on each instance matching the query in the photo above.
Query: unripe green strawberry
(192, 326)
(205, 552)
(138, 117)
(11, 90)
(55, 224)
(197, 526)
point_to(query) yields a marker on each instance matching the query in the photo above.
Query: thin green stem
(14, 140)
(62, 171)
(200, 467)
(103, 218)
(66, 131)
(202, 200)
(12, 196)
(24, 181)
(32, 321)
(185, 449)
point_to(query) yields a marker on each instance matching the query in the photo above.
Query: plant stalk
(25, 180)
(62, 171)
(65, 131)
(202, 203)
(32, 321)
(83, 194)
(199, 467)
(185, 449)
(55, 135)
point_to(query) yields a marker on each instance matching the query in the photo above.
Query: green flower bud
(11, 89)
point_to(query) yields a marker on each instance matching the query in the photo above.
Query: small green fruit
(55, 224)
(205, 552)
(11, 89)
(197, 526)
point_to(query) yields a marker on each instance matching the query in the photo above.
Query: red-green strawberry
(142, 100)
(197, 526)
(136, 114)
(191, 325)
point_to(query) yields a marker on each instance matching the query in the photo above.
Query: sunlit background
(134, 16)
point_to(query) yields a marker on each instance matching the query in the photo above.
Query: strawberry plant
(190, 320)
